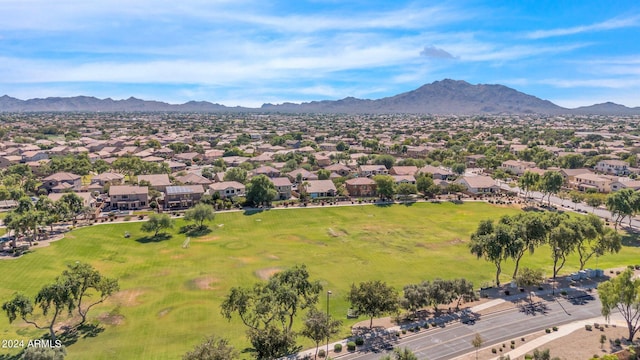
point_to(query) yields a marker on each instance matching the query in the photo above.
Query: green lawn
(171, 296)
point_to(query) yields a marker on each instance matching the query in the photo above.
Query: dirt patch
(128, 297)
(111, 319)
(266, 273)
(273, 257)
(205, 283)
(163, 273)
(162, 313)
(456, 241)
(335, 233)
(179, 256)
(206, 239)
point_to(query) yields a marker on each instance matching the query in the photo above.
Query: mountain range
(445, 97)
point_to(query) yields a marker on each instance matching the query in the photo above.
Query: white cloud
(610, 24)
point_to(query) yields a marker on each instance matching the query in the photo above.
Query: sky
(250, 52)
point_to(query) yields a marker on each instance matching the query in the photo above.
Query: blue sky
(248, 52)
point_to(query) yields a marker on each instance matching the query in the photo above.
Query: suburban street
(455, 338)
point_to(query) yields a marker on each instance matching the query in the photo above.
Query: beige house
(156, 181)
(127, 197)
(228, 189)
(283, 187)
(613, 167)
(61, 182)
(592, 181)
(372, 170)
(320, 188)
(361, 186)
(183, 196)
(479, 184)
(517, 167)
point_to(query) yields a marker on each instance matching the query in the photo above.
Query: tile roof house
(128, 197)
(193, 179)
(361, 186)
(107, 177)
(156, 181)
(283, 187)
(182, 196)
(478, 184)
(321, 188)
(437, 173)
(372, 170)
(62, 181)
(614, 167)
(403, 170)
(228, 189)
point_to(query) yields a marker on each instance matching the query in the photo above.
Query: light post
(328, 323)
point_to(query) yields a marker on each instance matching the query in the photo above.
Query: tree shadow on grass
(254, 211)
(631, 239)
(12, 357)
(194, 230)
(153, 239)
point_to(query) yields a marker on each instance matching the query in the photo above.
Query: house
(87, 199)
(340, 169)
(269, 171)
(625, 184)
(8, 160)
(128, 197)
(517, 167)
(437, 173)
(613, 167)
(372, 170)
(320, 188)
(471, 161)
(305, 175)
(193, 179)
(155, 181)
(107, 177)
(182, 196)
(323, 160)
(478, 184)
(283, 187)
(569, 175)
(34, 155)
(592, 181)
(403, 170)
(228, 189)
(62, 181)
(361, 186)
(404, 179)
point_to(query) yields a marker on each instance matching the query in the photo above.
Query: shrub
(555, 328)
(587, 327)
(563, 293)
(127, 218)
(522, 339)
(321, 353)
(617, 342)
(547, 330)
(504, 345)
(513, 342)
(596, 325)
(513, 346)
(359, 341)
(494, 350)
(416, 329)
(426, 325)
(351, 346)
(337, 348)
(404, 331)
(528, 357)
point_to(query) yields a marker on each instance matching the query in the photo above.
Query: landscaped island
(171, 294)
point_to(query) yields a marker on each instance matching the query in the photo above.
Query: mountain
(445, 97)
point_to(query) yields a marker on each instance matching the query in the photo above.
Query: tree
(44, 353)
(212, 348)
(414, 297)
(373, 298)
(404, 354)
(386, 160)
(199, 214)
(236, 174)
(156, 223)
(594, 200)
(529, 277)
(53, 299)
(425, 185)
(385, 186)
(86, 282)
(492, 242)
(550, 183)
(528, 182)
(74, 203)
(622, 293)
(563, 240)
(477, 343)
(318, 326)
(324, 174)
(621, 204)
(269, 309)
(529, 233)
(596, 239)
(458, 168)
(260, 190)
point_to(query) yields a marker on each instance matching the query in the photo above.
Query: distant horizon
(248, 52)
(291, 102)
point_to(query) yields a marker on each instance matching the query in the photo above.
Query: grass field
(171, 296)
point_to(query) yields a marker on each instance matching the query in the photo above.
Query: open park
(171, 289)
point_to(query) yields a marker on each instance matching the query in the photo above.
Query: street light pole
(328, 323)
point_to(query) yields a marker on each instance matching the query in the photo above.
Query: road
(567, 204)
(496, 328)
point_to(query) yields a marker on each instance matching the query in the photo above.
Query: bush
(563, 293)
(528, 357)
(617, 342)
(359, 341)
(587, 327)
(321, 353)
(547, 330)
(513, 342)
(404, 331)
(127, 218)
(522, 339)
(494, 350)
(351, 346)
(555, 328)
(337, 348)
(416, 329)
(426, 325)
(513, 346)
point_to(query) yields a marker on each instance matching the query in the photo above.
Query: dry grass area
(265, 274)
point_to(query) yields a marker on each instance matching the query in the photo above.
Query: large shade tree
(373, 298)
(622, 293)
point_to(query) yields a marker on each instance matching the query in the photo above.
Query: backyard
(170, 294)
